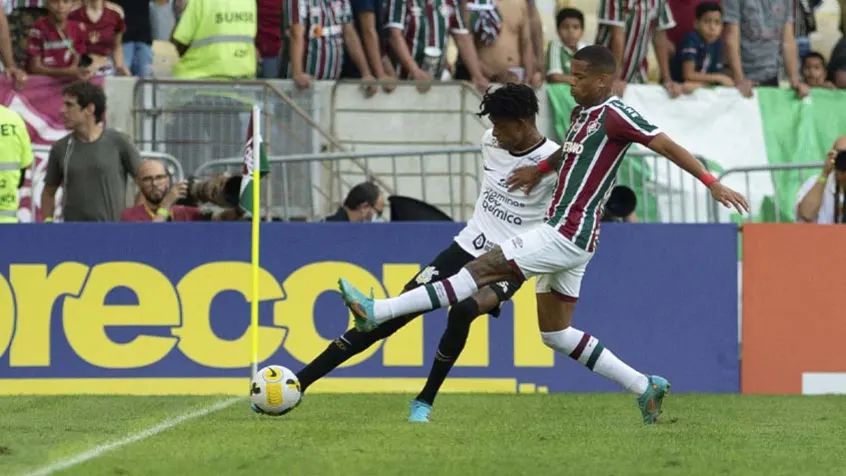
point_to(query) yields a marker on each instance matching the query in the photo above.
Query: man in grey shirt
(757, 34)
(91, 163)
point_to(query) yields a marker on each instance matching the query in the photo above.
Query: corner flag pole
(256, 219)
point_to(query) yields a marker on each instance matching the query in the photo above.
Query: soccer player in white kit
(601, 130)
(499, 215)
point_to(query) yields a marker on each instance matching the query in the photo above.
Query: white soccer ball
(275, 390)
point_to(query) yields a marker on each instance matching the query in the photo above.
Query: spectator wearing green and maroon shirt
(415, 25)
(317, 31)
(627, 27)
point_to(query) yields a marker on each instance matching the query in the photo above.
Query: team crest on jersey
(426, 275)
(592, 127)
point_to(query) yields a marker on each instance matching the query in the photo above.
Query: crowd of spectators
(734, 43)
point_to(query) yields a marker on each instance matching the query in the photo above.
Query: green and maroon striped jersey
(594, 147)
(640, 18)
(324, 22)
(425, 23)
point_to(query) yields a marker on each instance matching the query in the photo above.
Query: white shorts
(544, 252)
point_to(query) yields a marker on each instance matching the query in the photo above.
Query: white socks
(586, 349)
(427, 297)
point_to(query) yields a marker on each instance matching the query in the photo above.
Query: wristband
(48, 220)
(163, 212)
(543, 166)
(707, 179)
(823, 179)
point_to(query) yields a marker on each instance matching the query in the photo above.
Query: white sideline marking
(100, 450)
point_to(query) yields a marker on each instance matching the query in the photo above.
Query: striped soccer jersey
(594, 147)
(640, 18)
(324, 22)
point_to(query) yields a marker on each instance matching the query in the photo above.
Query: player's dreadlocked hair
(511, 101)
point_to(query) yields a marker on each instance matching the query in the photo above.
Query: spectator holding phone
(821, 198)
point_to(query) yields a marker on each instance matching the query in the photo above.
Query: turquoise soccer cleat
(419, 412)
(651, 400)
(360, 305)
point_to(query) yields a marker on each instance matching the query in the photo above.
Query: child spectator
(56, 44)
(814, 71)
(698, 61)
(104, 26)
(571, 27)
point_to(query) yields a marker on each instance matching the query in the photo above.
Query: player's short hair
(87, 93)
(707, 7)
(573, 13)
(510, 101)
(366, 192)
(598, 58)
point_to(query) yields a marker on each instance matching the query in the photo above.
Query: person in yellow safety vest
(216, 39)
(15, 157)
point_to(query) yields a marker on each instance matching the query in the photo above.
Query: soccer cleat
(419, 412)
(360, 305)
(651, 400)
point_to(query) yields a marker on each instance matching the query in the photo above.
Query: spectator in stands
(364, 202)
(7, 53)
(104, 25)
(21, 14)
(138, 37)
(756, 35)
(804, 24)
(571, 27)
(813, 71)
(503, 43)
(536, 32)
(92, 163)
(821, 199)
(420, 55)
(837, 64)
(317, 32)
(684, 15)
(269, 37)
(368, 16)
(57, 44)
(627, 28)
(698, 60)
(158, 199)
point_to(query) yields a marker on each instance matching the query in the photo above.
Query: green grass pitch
(556, 434)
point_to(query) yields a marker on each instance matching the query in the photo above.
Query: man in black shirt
(138, 38)
(363, 203)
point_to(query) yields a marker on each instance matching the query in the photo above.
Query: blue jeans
(268, 68)
(139, 58)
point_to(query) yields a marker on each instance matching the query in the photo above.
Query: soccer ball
(275, 391)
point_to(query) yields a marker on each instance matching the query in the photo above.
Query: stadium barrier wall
(794, 318)
(127, 308)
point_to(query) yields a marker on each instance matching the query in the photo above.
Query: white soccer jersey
(500, 214)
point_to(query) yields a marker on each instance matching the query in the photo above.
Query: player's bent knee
(464, 311)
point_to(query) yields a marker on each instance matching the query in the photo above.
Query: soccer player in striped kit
(601, 130)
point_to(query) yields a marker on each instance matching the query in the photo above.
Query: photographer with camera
(820, 199)
(161, 202)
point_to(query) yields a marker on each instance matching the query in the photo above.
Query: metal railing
(450, 179)
(198, 119)
(770, 189)
(446, 177)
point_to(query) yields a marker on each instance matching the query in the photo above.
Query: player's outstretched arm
(665, 146)
(527, 177)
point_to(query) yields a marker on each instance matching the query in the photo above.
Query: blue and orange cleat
(360, 305)
(651, 400)
(419, 412)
